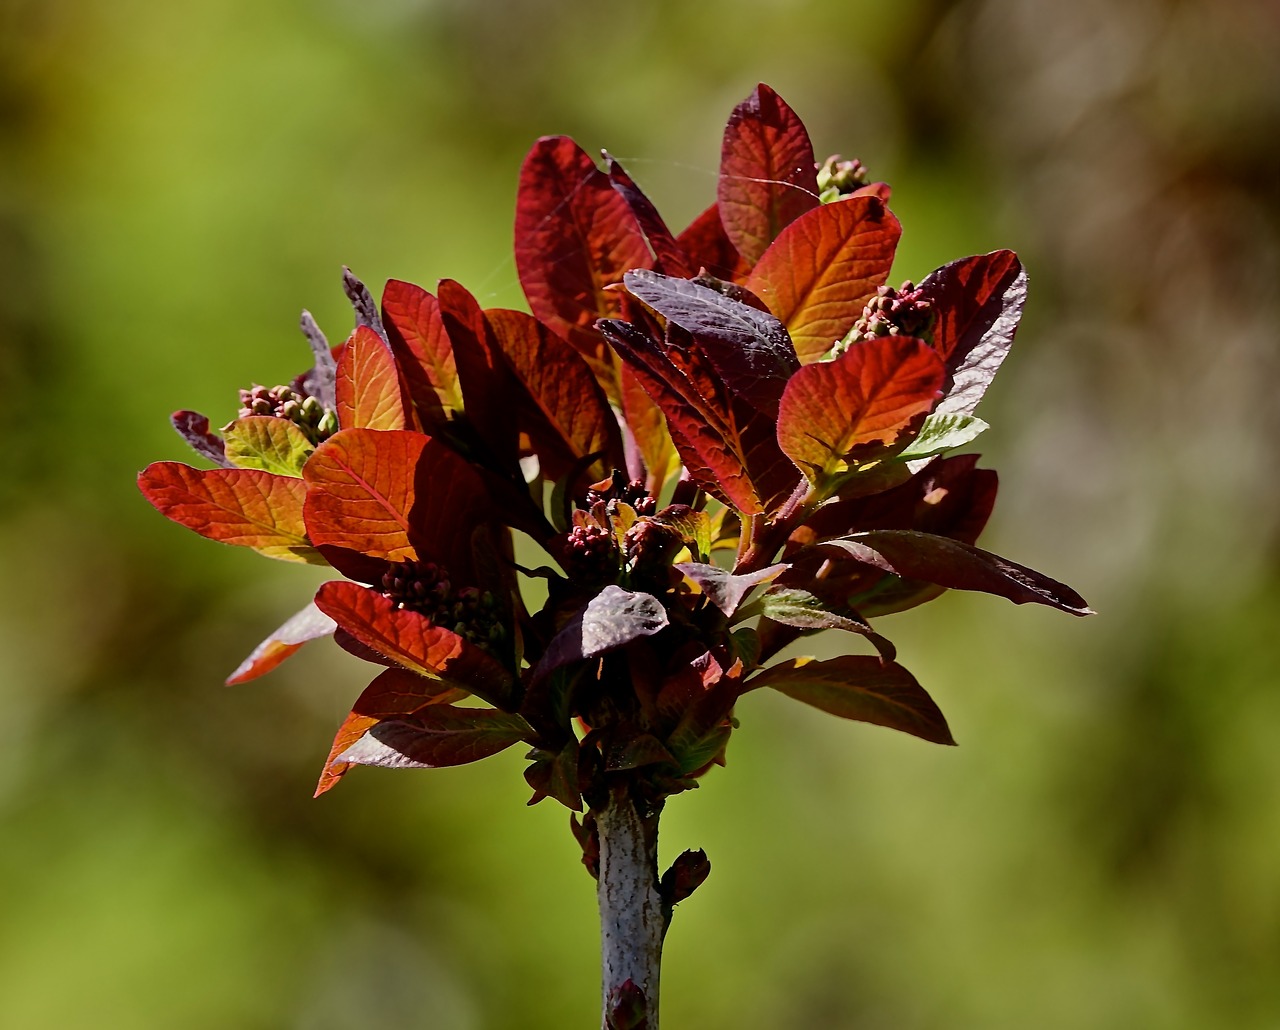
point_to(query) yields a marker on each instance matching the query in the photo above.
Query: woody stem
(632, 922)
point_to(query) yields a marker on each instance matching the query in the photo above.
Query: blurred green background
(1102, 850)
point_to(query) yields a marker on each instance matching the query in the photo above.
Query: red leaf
(648, 430)
(708, 247)
(309, 624)
(960, 566)
(767, 173)
(487, 393)
(669, 257)
(824, 267)
(368, 384)
(574, 236)
(415, 330)
(412, 641)
(863, 688)
(728, 446)
(979, 301)
(858, 406)
(437, 736)
(394, 694)
(393, 495)
(245, 507)
(571, 417)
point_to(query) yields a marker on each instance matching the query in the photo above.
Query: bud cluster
(901, 312)
(290, 402)
(649, 548)
(838, 178)
(617, 490)
(588, 553)
(424, 587)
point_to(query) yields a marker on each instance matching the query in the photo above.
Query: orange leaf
(368, 385)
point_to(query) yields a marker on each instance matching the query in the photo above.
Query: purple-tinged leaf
(394, 694)
(836, 414)
(309, 624)
(824, 267)
(319, 381)
(368, 384)
(435, 737)
(668, 255)
(194, 428)
(634, 751)
(724, 589)
(612, 618)
(748, 348)
(768, 176)
(959, 566)
(978, 301)
(268, 443)
(244, 507)
(862, 688)
(362, 301)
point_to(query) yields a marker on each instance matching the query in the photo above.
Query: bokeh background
(1102, 850)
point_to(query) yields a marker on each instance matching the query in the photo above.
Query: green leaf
(269, 444)
(862, 688)
(801, 609)
(942, 432)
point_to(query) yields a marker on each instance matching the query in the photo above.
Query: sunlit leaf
(824, 267)
(244, 507)
(393, 495)
(435, 737)
(801, 609)
(267, 443)
(767, 172)
(393, 695)
(309, 624)
(648, 429)
(959, 566)
(978, 301)
(415, 330)
(748, 348)
(857, 407)
(411, 640)
(612, 618)
(574, 236)
(368, 385)
(863, 688)
(569, 416)
(942, 432)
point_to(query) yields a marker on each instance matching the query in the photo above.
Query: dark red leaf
(574, 236)
(309, 624)
(567, 415)
(648, 431)
(863, 688)
(412, 641)
(820, 272)
(435, 737)
(367, 384)
(749, 349)
(668, 255)
(487, 389)
(416, 333)
(960, 566)
(978, 301)
(394, 694)
(768, 176)
(859, 406)
(709, 248)
(244, 507)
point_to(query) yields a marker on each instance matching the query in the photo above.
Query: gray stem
(632, 923)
